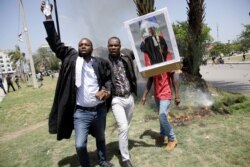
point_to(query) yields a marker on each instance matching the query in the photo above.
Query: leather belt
(125, 95)
(91, 109)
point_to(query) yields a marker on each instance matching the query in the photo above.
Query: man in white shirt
(84, 84)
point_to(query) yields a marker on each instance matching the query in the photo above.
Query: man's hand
(49, 9)
(177, 102)
(177, 99)
(102, 95)
(143, 100)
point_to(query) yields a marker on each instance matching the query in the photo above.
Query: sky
(101, 19)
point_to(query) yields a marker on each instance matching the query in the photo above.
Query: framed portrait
(153, 43)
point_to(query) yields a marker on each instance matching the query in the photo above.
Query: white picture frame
(140, 30)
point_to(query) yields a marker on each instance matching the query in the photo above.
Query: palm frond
(144, 6)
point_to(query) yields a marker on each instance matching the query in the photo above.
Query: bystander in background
(9, 83)
(17, 81)
(1, 84)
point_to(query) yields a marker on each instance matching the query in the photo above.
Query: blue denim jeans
(165, 127)
(83, 121)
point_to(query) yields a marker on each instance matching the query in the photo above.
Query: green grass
(217, 140)
(26, 106)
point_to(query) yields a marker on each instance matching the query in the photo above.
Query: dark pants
(84, 121)
(10, 84)
(1, 86)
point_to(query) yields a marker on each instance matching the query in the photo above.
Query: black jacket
(61, 115)
(130, 73)
(153, 51)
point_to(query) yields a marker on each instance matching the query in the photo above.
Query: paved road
(230, 77)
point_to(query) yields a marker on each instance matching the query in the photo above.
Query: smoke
(195, 97)
(98, 19)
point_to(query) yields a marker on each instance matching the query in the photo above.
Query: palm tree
(144, 6)
(18, 60)
(196, 43)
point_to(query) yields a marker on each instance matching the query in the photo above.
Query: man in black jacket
(83, 86)
(9, 83)
(155, 47)
(123, 85)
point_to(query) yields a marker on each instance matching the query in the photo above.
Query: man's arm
(49, 23)
(53, 39)
(146, 91)
(105, 91)
(174, 77)
(47, 17)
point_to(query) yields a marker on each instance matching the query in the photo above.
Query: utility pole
(217, 27)
(35, 85)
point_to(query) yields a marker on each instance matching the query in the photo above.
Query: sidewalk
(228, 61)
(236, 62)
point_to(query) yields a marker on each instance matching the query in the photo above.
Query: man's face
(114, 47)
(85, 47)
(152, 30)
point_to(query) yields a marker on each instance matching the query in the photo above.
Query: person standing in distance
(17, 81)
(84, 84)
(9, 83)
(1, 84)
(123, 85)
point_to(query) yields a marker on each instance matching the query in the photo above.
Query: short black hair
(87, 40)
(114, 37)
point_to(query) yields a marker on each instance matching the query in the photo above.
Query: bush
(230, 104)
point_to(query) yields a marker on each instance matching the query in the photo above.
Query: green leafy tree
(181, 35)
(45, 60)
(217, 49)
(54, 63)
(236, 46)
(221, 48)
(228, 49)
(244, 39)
(18, 60)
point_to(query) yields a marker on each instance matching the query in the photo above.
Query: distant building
(5, 63)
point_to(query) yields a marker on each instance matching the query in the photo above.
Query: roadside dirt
(18, 133)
